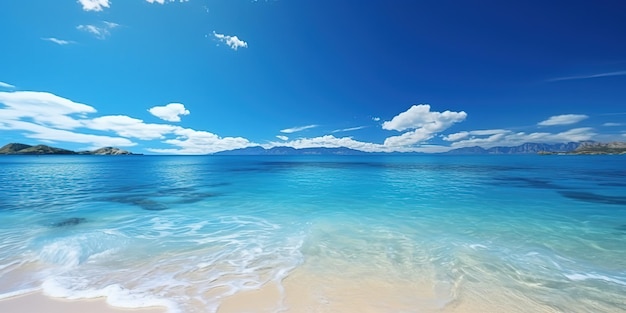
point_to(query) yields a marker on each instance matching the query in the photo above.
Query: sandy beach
(37, 302)
(305, 293)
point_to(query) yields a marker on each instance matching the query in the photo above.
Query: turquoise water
(187, 232)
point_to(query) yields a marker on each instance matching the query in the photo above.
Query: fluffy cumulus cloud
(420, 116)
(297, 129)
(101, 31)
(94, 5)
(565, 119)
(48, 117)
(422, 123)
(232, 41)
(170, 112)
(190, 141)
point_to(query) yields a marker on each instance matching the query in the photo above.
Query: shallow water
(188, 232)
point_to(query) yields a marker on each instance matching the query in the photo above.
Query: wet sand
(39, 303)
(307, 292)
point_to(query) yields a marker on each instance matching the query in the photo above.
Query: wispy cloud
(94, 5)
(101, 32)
(464, 134)
(170, 112)
(612, 124)
(608, 74)
(163, 1)
(375, 119)
(297, 129)
(232, 41)
(509, 138)
(565, 119)
(281, 137)
(348, 129)
(5, 85)
(58, 41)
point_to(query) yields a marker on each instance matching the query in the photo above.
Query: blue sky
(201, 76)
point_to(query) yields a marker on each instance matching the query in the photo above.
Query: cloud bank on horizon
(51, 118)
(182, 80)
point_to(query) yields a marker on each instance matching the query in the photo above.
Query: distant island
(526, 148)
(570, 148)
(22, 149)
(594, 148)
(587, 147)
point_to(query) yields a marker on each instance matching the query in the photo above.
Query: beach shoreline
(35, 302)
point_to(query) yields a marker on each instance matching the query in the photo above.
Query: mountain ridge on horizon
(24, 149)
(526, 148)
(583, 147)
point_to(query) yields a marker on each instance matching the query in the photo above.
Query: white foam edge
(114, 294)
(586, 276)
(17, 293)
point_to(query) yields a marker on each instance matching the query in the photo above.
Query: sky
(202, 76)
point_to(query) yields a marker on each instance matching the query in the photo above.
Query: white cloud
(420, 116)
(58, 41)
(608, 74)
(170, 112)
(126, 126)
(44, 108)
(612, 124)
(45, 116)
(296, 129)
(425, 124)
(163, 1)
(281, 137)
(232, 41)
(409, 138)
(565, 119)
(330, 141)
(510, 138)
(191, 141)
(5, 85)
(100, 32)
(464, 134)
(41, 132)
(348, 129)
(94, 5)
(456, 136)
(375, 119)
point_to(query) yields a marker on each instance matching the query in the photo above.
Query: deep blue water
(183, 231)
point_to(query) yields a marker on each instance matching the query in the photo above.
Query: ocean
(428, 233)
